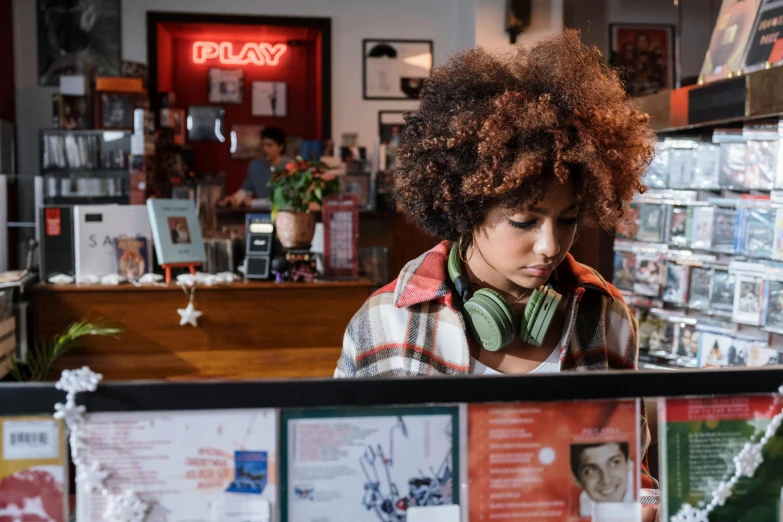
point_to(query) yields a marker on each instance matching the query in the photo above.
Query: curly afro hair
(494, 130)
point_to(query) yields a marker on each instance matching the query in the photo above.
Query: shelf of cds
(699, 257)
(435, 450)
(81, 166)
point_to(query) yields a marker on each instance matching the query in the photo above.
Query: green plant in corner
(300, 184)
(42, 356)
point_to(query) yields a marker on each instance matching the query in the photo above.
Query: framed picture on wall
(78, 38)
(226, 85)
(246, 141)
(395, 69)
(645, 55)
(269, 99)
(205, 123)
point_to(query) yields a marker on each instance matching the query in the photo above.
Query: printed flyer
(699, 439)
(33, 464)
(551, 462)
(189, 466)
(369, 465)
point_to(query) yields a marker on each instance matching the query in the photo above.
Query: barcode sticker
(30, 440)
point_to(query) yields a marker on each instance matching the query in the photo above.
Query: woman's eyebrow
(538, 210)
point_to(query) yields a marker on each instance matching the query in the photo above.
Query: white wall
(449, 23)
(546, 19)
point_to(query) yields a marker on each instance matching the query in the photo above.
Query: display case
(85, 166)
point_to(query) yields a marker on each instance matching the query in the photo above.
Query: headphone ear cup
(544, 318)
(490, 319)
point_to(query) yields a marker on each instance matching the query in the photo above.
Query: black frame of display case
(324, 25)
(31, 399)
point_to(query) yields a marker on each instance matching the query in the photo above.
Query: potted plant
(293, 191)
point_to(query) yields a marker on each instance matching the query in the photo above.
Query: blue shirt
(258, 176)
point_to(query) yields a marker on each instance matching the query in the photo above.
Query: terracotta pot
(295, 230)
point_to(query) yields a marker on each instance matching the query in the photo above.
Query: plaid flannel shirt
(414, 327)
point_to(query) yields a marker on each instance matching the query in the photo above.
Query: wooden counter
(247, 330)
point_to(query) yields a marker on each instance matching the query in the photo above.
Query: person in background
(259, 171)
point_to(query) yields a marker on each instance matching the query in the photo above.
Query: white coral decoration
(127, 507)
(77, 381)
(690, 514)
(69, 412)
(92, 478)
(722, 493)
(748, 460)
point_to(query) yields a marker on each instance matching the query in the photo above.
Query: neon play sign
(251, 53)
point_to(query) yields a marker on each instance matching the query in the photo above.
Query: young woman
(502, 161)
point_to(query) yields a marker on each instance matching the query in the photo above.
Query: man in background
(259, 171)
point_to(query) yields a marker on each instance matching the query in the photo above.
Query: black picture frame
(65, 28)
(413, 93)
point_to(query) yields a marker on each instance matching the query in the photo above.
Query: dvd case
(760, 356)
(657, 176)
(624, 268)
(701, 232)
(748, 292)
(680, 227)
(759, 232)
(777, 252)
(676, 288)
(648, 276)
(682, 163)
(651, 219)
(761, 164)
(722, 292)
(720, 350)
(774, 305)
(628, 226)
(706, 175)
(700, 283)
(724, 220)
(687, 342)
(656, 334)
(733, 162)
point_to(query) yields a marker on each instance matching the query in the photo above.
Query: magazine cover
(133, 259)
(676, 289)
(624, 267)
(701, 234)
(189, 465)
(764, 47)
(176, 231)
(759, 237)
(748, 294)
(723, 229)
(648, 276)
(699, 295)
(733, 163)
(722, 293)
(699, 439)
(706, 175)
(368, 465)
(729, 39)
(680, 227)
(95, 228)
(33, 469)
(628, 226)
(687, 342)
(651, 219)
(760, 355)
(520, 468)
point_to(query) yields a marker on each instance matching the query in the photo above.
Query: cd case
(651, 219)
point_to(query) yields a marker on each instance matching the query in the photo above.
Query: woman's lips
(539, 270)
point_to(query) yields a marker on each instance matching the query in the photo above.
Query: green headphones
(492, 319)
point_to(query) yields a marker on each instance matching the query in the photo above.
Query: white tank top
(550, 365)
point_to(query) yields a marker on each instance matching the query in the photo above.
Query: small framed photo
(360, 185)
(74, 112)
(269, 99)
(395, 69)
(226, 85)
(245, 141)
(645, 54)
(390, 127)
(205, 123)
(115, 110)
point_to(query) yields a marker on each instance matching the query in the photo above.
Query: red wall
(190, 82)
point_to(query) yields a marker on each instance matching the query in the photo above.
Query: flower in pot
(293, 190)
